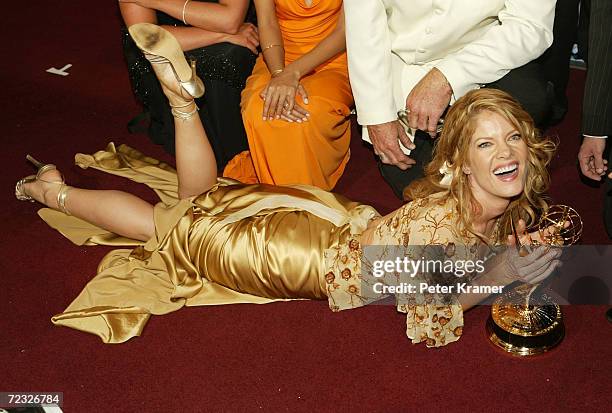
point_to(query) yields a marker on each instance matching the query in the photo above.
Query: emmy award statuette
(519, 326)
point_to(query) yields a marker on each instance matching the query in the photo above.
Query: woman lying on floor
(216, 241)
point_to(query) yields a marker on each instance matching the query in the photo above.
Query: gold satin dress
(235, 243)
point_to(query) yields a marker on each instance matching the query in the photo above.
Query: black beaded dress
(224, 68)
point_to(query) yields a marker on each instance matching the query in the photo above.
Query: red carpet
(295, 356)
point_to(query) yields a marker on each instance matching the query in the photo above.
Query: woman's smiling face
(497, 159)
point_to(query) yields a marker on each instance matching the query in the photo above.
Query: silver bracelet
(184, 8)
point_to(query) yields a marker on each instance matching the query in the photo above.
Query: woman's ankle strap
(184, 115)
(61, 198)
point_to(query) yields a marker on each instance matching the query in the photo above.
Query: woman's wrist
(497, 275)
(293, 72)
(225, 37)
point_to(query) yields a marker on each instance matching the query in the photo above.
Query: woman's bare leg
(195, 161)
(121, 212)
(116, 211)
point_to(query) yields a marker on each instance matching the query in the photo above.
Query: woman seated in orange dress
(296, 104)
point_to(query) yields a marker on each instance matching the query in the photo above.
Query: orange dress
(313, 152)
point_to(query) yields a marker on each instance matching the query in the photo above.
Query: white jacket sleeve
(368, 46)
(524, 32)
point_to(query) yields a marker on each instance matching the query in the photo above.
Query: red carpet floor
(294, 356)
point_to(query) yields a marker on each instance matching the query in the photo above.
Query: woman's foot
(178, 79)
(45, 188)
(174, 91)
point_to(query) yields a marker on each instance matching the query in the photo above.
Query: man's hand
(385, 139)
(591, 159)
(428, 100)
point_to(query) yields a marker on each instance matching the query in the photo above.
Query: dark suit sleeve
(597, 103)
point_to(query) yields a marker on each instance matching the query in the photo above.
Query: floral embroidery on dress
(343, 279)
(424, 222)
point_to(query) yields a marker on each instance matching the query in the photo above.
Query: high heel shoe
(164, 48)
(21, 194)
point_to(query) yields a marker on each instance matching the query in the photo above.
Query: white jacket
(392, 44)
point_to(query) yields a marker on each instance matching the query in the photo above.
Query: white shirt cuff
(375, 118)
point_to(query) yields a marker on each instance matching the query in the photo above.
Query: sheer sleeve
(422, 228)
(343, 278)
(433, 324)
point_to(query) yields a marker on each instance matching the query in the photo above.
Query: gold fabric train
(234, 244)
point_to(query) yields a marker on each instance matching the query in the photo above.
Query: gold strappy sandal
(163, 47)
(21, 194)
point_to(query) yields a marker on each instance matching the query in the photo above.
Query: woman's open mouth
(507, 173)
